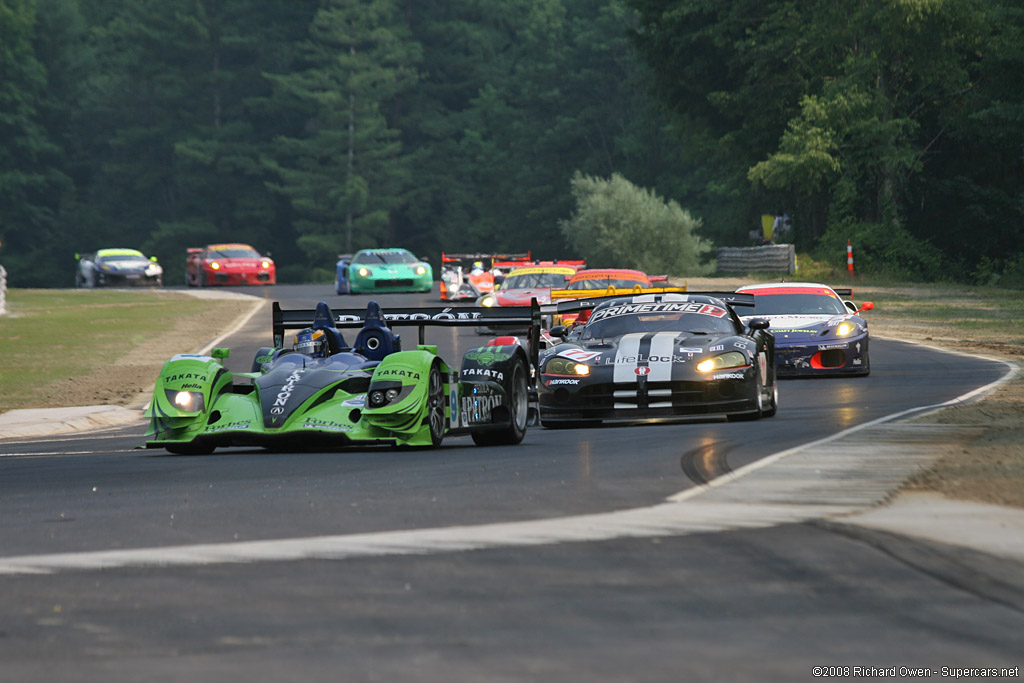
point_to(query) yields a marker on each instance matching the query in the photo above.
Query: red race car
(228, 264)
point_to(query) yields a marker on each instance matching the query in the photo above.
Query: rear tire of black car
(435, 405)
(519, 410)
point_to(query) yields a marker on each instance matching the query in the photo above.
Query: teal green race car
(323, 393)
(383, 270)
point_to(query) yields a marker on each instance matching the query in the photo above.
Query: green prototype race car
(323, 393)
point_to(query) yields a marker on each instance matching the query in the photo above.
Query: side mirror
(867, 306)
(759, 324)
(220, 352)
(153, 259)
(559, 331)
(77, 256)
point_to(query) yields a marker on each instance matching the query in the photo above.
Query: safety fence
(770, 258)
(3, 291)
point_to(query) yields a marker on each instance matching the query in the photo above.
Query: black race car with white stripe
(658, 356)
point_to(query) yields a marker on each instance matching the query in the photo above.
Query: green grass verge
(50, 336)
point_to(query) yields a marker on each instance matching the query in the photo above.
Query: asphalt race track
(763, 604)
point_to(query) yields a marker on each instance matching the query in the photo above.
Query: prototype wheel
(435, 405)
(518, 407)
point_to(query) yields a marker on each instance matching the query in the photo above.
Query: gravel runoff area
(990, 469)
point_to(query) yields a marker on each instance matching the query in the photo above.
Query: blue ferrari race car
(817, 333)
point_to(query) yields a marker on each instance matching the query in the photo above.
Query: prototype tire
(518, 407)
(435, 405)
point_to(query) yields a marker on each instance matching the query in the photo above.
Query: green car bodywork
(387, 270)
(370, 393)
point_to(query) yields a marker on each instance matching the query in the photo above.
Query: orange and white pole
(849, 256)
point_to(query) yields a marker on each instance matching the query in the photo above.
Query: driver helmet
(311, 342)
(478, 267)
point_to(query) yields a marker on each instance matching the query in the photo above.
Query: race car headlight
(564, 366)
(843, 329)
(421, 270)
(215, 266)
(265, 264)
(488, 301)
(363, 272)
(382, 397)
(732, 359)
(188, 401)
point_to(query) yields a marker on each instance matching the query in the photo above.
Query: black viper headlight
(564, 366)
(844, 329)
(188, 401)
(488, 301)
(730, 359)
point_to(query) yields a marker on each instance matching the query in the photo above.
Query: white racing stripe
(629, 347)
(663, 347)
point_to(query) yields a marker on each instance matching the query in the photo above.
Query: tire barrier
(770, 258)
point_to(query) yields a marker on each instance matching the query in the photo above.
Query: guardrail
(770, 258)
(3, 291)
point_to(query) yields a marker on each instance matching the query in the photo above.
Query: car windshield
(606, 282)
(378, 257)
(233, 252)
(120, 258)
(693, 317)
(796, 304)
(534, 281)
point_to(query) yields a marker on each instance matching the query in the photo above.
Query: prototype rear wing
(522, 318)
(490, 260)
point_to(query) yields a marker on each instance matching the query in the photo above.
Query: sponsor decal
(478, 407)
(728, 375)
(326, 425)
(826, 347)
(380, 373)
(691, 351)
(857, 347)
(264, 359)
(483, 372)
(667, 307)
(552, 382)
(579, 355)
(446, 314)
(643, 371)
(642, 358)
(228, 425)
(357, 402)
(486, 355)
(286, 391)
(453, 406)
(740, 344)
(718, 347)
(191, 386)
(184, 376)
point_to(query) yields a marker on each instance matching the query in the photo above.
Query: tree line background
(314, 127)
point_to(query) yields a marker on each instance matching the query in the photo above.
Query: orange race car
(598, 282)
